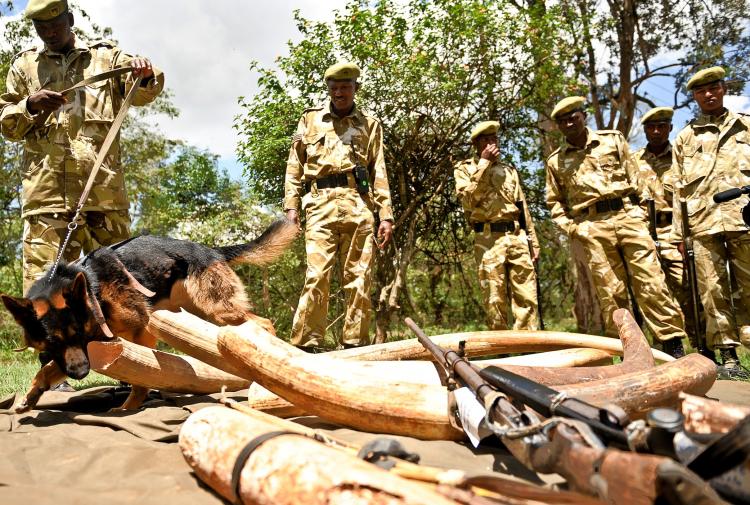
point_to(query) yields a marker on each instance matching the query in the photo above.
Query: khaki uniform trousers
(712, 252)
(339, 225)
(503, 259)
(43, 234)
(619, 248)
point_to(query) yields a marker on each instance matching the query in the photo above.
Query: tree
(431, 71)
(625, 45)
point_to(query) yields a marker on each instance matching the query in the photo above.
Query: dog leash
(114, 129)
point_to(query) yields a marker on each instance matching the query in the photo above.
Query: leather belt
(329, 181)
(497, 227)
(610, 205)
(664, 218)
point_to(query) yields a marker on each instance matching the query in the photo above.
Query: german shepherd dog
(59, 314)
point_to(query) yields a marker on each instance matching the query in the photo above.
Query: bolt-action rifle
(692, 278)
(651, 205)
(525, 227)
(571, 441)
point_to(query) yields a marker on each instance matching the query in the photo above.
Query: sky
(205, 49)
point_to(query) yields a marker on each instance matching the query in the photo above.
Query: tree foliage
(431, 70)
(624, 46)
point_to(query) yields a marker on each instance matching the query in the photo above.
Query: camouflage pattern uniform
(712, 154)
(654, 171)
(60, 149)
(617, 242)
(489, 192)
(339, 222)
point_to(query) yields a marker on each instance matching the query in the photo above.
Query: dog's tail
(265, 249)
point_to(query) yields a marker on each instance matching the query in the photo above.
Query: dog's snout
(76, 363)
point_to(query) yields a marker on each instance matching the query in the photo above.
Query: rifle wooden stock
(687, 241)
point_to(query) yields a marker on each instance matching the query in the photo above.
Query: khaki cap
(484, 128)
(658, 114)
(44, 10)
(342, 71)
(706, 76)
(569, 104)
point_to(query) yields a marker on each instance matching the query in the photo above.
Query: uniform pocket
(314, 146)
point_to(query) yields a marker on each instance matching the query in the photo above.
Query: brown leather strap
(96, 309)
(115, 72)
(113, 130)
(134, 282)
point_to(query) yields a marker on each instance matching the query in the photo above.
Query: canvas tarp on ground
(72, 451)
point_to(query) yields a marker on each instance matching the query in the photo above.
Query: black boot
(730, 367)
(674, 347)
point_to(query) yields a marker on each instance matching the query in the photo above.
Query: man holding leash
(336, 174)
(63, 133)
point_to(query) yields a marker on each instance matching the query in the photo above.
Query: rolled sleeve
(15, 119)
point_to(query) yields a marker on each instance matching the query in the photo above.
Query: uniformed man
(712, 154)
(336, 173)
(594, 195)
(492, 198)
(62, 134)
(654, 168)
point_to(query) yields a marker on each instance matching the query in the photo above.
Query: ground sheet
(72, 451)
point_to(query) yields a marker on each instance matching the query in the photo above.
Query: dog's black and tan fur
(57, 314)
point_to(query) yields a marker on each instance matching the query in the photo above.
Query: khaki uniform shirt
(60, 148)
(579, 177)
(489, 192)
(711, 154)
(655, 171)
(326, 144)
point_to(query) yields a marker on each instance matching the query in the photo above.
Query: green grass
(20, 367)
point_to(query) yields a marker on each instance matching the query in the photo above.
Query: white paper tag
(471, 413)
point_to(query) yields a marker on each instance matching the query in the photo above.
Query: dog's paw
(22, 407)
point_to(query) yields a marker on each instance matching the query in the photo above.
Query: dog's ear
(21, 309)
(77, 293)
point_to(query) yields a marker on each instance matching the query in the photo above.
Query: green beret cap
(566, 105)
(484, 128)
(44, 10)
(706, 76)
(658, 114)
(342, 71)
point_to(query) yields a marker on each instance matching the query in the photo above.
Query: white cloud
(737, 103)
(205, 49)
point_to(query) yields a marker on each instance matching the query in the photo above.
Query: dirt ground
(72, 451)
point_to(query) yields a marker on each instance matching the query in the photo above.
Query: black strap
(245, 453)
(497, 227)
(340, 180)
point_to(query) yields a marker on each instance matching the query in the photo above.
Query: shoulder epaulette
(102, 42)
(556, 151)
(312, 109)
(608, 132)
(24, 51)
